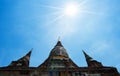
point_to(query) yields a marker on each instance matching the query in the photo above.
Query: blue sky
(37, 24)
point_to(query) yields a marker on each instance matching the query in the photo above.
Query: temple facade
(58, 63)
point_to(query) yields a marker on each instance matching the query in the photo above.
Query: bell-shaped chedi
(22, 62)
(58, 58)
(91, 62)
(58, 63)
(59, 51)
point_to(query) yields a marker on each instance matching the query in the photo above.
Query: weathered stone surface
(57, 64)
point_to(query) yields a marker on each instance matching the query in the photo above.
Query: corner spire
(91, 62)
(88, 58)
(29, 53)
(22, 62)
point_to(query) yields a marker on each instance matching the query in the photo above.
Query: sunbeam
(66, 13)
(55, 19)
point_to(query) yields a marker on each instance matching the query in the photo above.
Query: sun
(70, 9)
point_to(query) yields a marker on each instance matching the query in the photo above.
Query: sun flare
(71, 9)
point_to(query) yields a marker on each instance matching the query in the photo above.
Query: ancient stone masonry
(58, 63)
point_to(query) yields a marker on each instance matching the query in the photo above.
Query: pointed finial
(59, 42)
(83, 51)
(88, 58)
(59, 38)
(31, 49)
(29, 53)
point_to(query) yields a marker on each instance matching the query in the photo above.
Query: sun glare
(71, 9)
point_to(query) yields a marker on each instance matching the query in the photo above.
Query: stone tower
(58, 63)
